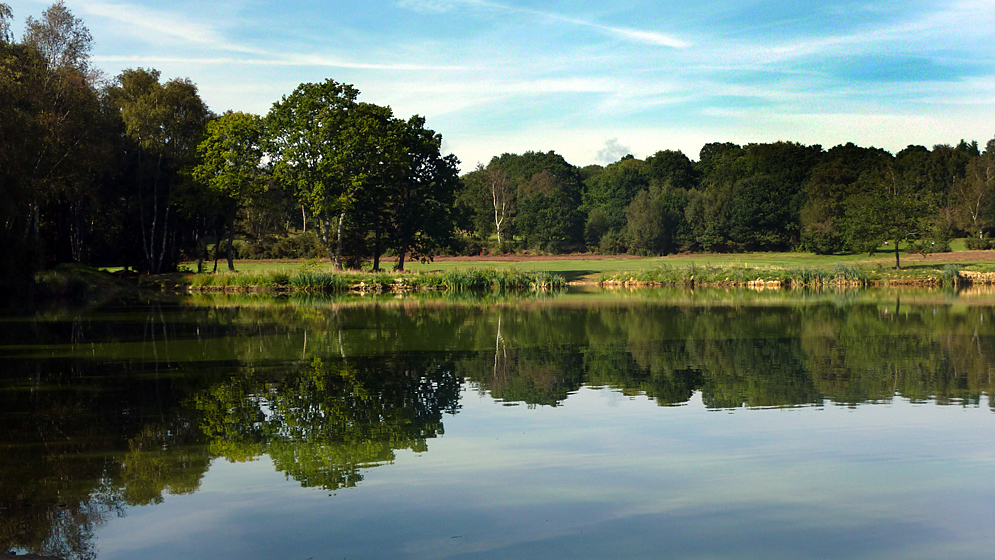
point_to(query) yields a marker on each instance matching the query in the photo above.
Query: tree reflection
(80, 442)
(324, 422)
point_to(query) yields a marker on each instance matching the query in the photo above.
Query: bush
(464, 245)
(294, 246)
(975, 244)
(927, 246)
(612, 243)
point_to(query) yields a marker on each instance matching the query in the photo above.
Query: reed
(703, 275)
(310, 280)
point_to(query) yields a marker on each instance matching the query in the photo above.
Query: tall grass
(702, 275)
(309, 280)
(838, 275)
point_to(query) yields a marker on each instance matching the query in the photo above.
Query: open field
(589, 268)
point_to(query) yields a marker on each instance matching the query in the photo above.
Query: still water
(658, 424)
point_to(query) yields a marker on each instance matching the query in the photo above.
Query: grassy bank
(592, 268)
(837, 275)
(309, 280)
(513, 271)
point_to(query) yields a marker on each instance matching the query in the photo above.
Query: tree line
(137, 171)
(778, 196)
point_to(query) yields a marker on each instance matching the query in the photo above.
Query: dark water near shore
(645, 425)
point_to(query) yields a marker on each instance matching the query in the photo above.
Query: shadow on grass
(580, 275)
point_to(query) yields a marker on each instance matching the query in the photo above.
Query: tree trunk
(337, 261)
(898, 263)
(376, 250)
(217, 241)
(231, 241)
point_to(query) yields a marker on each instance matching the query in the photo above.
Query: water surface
(656, 424)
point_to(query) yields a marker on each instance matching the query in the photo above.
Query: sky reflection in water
(609, 476)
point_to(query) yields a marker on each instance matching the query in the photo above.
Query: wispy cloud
(625, 33)
(276, 60)
(157, 26)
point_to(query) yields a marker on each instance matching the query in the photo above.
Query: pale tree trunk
(337, 261)
(500, 189)
(498, 219)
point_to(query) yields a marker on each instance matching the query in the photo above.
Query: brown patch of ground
(946, 258)
(513, 257)
(527, 257)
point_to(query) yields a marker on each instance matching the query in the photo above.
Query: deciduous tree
(229, 164)
(308, 139)
(420, 203)
(973, 196)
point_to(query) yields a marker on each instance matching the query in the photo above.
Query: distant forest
(135, 171)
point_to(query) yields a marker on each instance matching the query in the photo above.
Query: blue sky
(589, 80)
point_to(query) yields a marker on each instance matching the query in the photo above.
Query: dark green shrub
(975, 244)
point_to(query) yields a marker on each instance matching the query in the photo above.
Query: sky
(590, 80)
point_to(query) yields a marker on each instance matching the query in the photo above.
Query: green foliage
(162, 124)
(372, 181)
(291, 246)
(761, 215)
(672, 169)
(547, 199)
(306, 133)
(612, 243)
(547, 217)
(230, 156)
(419, 205)
(306, 281)
(986, 244)
(608, 193)
(647, 228)
(230, 159)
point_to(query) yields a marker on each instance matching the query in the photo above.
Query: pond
(656, 423)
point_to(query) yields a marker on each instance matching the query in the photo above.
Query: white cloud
(612, 152)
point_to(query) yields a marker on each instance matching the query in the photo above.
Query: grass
(310, 279)
(804, 268)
